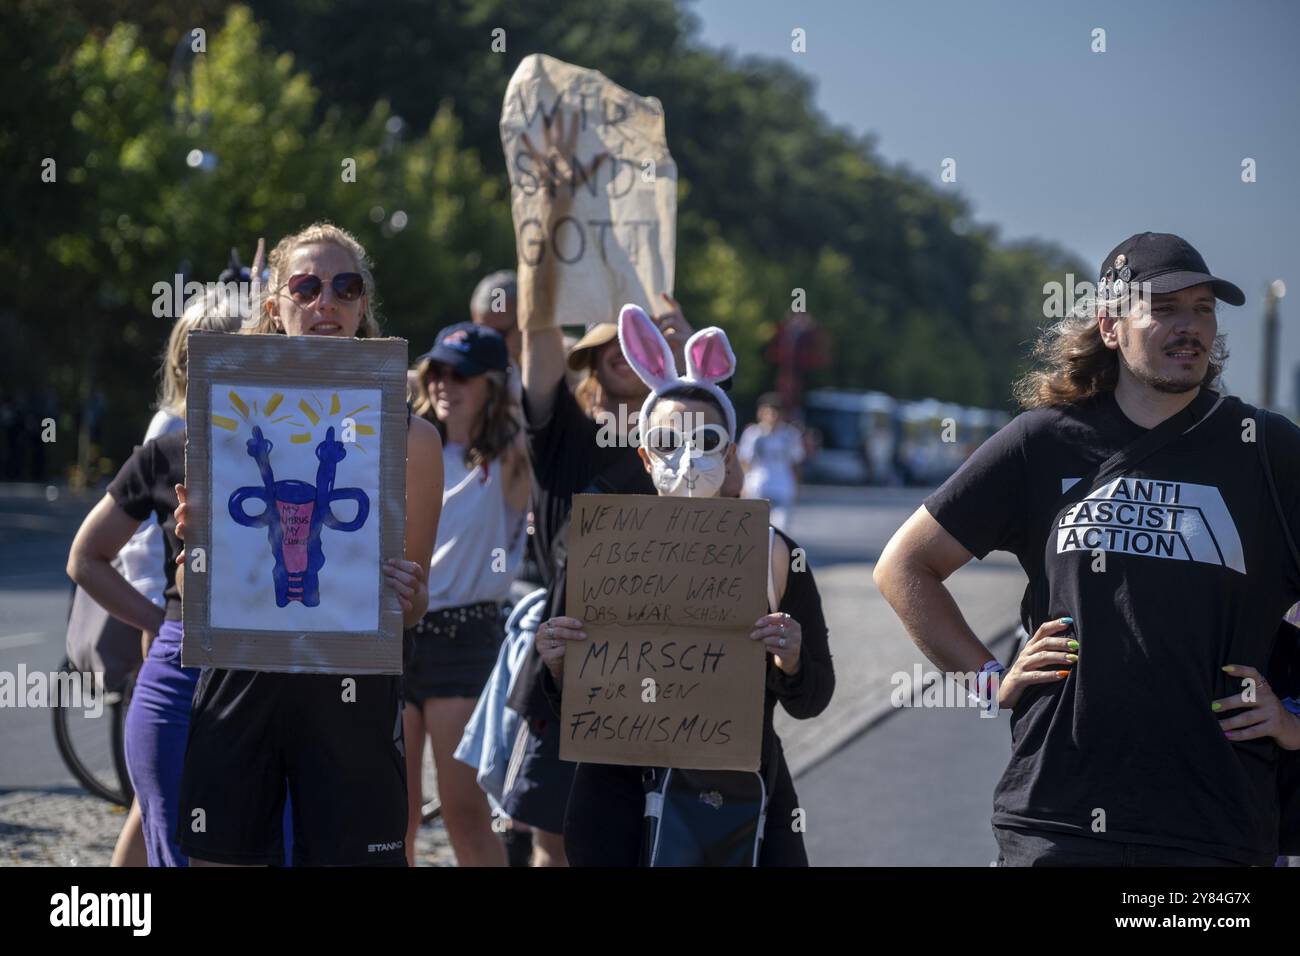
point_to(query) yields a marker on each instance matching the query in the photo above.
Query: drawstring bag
(706, 817)
(710, 817)
(97, 642)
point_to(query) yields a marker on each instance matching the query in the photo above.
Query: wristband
(982, 697)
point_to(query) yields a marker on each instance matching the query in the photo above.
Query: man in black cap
(1137, 500)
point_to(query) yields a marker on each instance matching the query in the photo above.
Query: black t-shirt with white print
(1170, 571)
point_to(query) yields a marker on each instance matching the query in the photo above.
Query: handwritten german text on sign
(617, 243)
(669, 590)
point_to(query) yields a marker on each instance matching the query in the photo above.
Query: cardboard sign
(295, 469)
(669, 590)
(617, 243)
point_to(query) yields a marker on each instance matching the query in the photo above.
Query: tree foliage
(916, 299)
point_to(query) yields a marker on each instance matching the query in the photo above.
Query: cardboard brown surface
(282, 588)
(669, 590)
(618, 243)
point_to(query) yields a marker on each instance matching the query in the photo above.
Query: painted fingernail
(1067, 620)
(1073, 645)
(1062, 673)
(1071, 657)
(1216, 706)
(1228, 668)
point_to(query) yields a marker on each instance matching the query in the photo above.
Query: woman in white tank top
(464, 391)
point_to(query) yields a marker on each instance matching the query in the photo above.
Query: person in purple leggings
(157, 723)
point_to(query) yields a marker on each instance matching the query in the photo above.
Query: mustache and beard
(1170, 385)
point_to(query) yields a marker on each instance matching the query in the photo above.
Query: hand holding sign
(550, 643)
(783, 638)
(558, 165)
(676, 330)
(182, 519)
(559, 170)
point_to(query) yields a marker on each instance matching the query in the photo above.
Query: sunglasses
(438, 372)
(306, 288)
(664, 440)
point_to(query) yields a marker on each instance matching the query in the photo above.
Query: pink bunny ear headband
(709, 360)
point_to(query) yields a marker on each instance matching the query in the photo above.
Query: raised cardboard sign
(616, 243)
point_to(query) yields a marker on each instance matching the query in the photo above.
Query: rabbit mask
(695, 467)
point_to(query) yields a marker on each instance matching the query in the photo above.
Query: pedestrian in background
(494, 305)
(771, 451)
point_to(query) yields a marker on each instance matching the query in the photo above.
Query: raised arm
(542, 370)
(542, 358)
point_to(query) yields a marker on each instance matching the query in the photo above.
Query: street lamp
(1276, 290)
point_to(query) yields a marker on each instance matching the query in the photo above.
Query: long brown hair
(588, 394)
(1076, 365)
(498, 422)
(278, 260)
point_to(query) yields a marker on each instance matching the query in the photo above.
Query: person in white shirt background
(771, 451)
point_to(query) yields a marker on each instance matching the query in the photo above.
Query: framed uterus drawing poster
(295, 473)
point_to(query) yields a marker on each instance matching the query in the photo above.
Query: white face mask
(699, 476)
(689, 472)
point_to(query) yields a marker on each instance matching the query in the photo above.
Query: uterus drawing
(295, 512)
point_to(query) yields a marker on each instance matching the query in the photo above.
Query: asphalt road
(34, 598)
(915, 789)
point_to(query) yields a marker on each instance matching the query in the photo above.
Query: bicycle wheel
(93, 747)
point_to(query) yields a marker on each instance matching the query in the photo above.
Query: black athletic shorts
(339, 749)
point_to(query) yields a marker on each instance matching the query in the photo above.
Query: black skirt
(452, 652)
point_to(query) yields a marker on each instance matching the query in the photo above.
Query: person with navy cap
(1139, 499)
(463, 391)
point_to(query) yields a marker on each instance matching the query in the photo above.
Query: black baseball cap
(470, 349)
(1168, 262)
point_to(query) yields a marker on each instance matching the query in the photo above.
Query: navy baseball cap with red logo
(470, 349)
(1169, 263)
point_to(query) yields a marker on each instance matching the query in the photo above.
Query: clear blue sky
(1082, 148)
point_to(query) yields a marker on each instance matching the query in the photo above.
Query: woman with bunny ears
(571, 451)
(604, 821)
